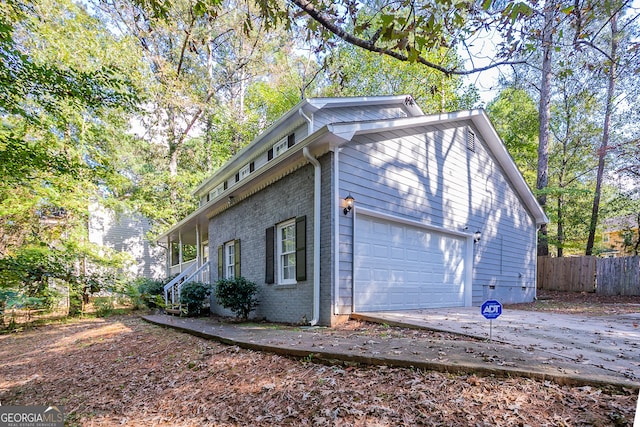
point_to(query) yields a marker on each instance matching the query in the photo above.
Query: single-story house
(365, 204)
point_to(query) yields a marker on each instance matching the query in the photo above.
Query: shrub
(238, 295)
(150, 290)
(192, 297)
(104, 306)
(145, 292)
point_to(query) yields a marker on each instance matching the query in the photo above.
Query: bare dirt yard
(124, 371)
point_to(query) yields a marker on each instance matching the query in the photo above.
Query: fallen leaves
(124, 371)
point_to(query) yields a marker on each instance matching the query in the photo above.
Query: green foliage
(352, 71)
(193, 296)
(26, 275)
(515, 116)
(145, 292)
(104, 306)
(238, 295)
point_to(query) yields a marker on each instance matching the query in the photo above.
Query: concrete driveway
(608, 342)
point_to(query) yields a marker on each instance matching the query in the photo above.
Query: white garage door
(400, 267)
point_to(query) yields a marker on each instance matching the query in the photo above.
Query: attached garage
(401, 266)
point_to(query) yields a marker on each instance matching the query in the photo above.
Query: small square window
(244, 172)
(280, 147)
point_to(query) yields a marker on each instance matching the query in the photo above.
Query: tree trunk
(544, 114)
(602, 152)
(560, 224)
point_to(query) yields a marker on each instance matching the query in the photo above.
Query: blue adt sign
(491, 309)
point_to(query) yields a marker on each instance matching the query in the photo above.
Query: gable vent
(471, 140)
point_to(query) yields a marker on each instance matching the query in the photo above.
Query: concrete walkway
(415, 348)
(611, 343)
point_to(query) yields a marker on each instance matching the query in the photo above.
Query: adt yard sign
(491, 309)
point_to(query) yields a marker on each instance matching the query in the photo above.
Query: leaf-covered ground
(124, 371)
(582, 303)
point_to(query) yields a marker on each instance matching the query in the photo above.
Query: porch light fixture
(349, 204)
(476, 236)
(231, 200)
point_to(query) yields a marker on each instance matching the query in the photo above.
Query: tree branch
(328, 24)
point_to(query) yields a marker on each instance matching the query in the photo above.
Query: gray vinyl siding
(352, 114)
(127, 233)
(429, 175)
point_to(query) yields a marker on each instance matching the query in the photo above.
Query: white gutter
(316, 234)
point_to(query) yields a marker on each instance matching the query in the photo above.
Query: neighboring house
(366, 204)
(621, 236)
(127, 233)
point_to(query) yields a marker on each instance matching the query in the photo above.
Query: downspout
(308, 119)
(316, 234)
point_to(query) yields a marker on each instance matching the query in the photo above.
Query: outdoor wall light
(476, 236)
(231, 200)
(348, 204)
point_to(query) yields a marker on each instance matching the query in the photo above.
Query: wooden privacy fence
(605, 276)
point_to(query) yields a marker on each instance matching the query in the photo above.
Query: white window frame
(216, 191)
(285, 269)
(280, 147)
(229, 260)
(244, 172)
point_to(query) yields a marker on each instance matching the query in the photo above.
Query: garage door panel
(400, 266)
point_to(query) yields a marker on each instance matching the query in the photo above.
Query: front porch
(187, 260)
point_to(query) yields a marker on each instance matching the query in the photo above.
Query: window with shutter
(286, 252)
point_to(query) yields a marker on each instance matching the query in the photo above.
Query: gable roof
(297, 116)
(331, 137)
(480, 119)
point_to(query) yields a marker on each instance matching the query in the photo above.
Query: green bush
(104, 306)
(145, 292)
(193, 296)
(238, 295)
(150, 290)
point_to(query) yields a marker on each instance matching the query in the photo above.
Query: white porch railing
(174, 285)
(191, 274)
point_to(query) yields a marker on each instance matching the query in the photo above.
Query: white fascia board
(346, 132)
(412, 107)
(318, 142)
(499, 150)
(310, 106)
(250, 150)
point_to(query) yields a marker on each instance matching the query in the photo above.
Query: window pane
(230, 261)
(287, 251)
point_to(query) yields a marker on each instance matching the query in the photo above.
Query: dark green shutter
(270, 255)
(220, 262)
(236, 260)
(291, 140)
(301, 248)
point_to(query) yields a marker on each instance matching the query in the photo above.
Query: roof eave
(318, 142)
(480, 119)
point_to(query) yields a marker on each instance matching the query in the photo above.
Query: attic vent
(471, 141)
